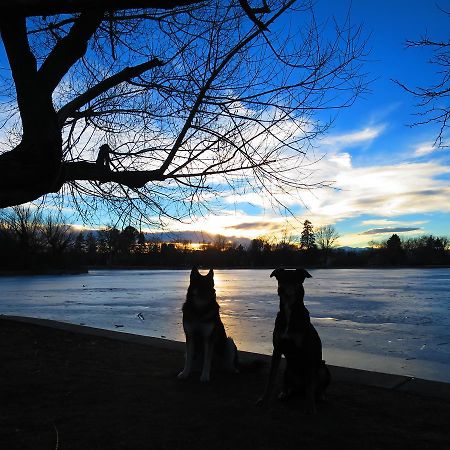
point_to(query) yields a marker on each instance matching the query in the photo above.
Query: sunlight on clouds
(232, 223)
(381, 191)
(384, 191)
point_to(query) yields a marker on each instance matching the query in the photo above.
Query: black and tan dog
(296, 338)
(206, 339)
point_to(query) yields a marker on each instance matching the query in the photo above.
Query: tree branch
(82, 170)
(28, 8)
(124, 75)
(23, 67)
(204, 90)
(251, 13)
(69, 49)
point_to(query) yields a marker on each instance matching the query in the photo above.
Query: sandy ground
(64, 390)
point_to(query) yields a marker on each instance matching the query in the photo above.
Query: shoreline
(334, 353)
(339, 373)
(58, 272)
(87, 269)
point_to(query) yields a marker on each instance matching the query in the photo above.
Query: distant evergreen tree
(394, 243)
(307, 239)
(128, 238)
(79, 245)
(394, 249)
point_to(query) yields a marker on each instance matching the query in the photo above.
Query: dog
(206, 338)
(295, 337)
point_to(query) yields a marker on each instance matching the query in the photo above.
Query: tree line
(32, 241)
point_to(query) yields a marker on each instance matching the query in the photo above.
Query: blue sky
(399, 158)
(387, 177)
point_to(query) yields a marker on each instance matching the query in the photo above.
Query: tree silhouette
(128, 238)
(80, 245)
(326, 238)
(394, 249)
(183, 97)
(307, 238)
(57, 234)
(25, 245)
(24, 226)
(433, 105)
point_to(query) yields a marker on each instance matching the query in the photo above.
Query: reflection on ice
(401, 324)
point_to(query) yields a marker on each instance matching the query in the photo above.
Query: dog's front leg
(189, 358)
(274, 364)
(207, 360)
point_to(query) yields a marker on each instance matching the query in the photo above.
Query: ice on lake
(388, 320)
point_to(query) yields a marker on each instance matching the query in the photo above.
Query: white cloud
(342, 160)
(425, 148)
(385, 191)
(366, 135)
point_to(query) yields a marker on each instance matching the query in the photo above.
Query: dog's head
(290, 284)
(201, 292)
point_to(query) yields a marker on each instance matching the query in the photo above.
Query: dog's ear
(302, 274)
(195, 273)
(276, 273)
(210, 277)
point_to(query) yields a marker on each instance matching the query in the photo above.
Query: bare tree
(182, 98)
(433, 101)
(24, 225)
(57, 234)
(220, 243)
(326, 238)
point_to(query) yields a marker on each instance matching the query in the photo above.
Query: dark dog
(296, 338)
(205, 334)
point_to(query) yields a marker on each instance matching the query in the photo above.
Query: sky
(387, 178)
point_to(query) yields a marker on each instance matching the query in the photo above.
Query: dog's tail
(247, 366)
(229, 358)
(324, 374)
(324, 378)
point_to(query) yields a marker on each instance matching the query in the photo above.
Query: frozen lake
(388, 320)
